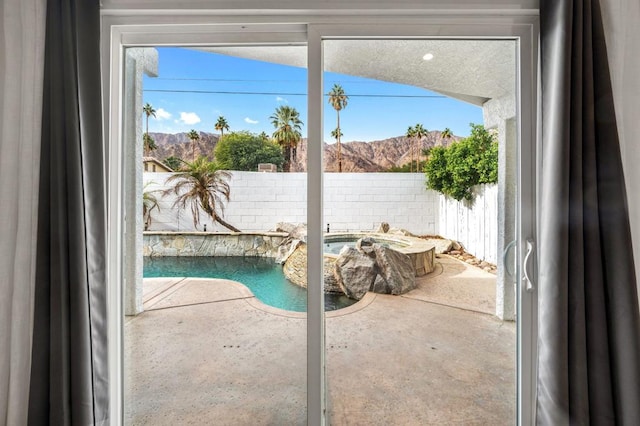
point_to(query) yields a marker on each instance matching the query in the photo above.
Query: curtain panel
(69, 370)
(589, 331)
(21, 58)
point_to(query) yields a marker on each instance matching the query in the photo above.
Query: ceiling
(469, 70)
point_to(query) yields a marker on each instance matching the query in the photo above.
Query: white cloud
(281, 99)
(162, 114)
(188, 118)
(250, 121)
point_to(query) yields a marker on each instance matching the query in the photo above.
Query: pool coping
(177, 283)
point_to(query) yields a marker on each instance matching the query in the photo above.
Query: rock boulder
(355, 272)
(396, 274)
(373, 267)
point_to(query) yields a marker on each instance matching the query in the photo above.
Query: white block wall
(474, 226)
(353, 201)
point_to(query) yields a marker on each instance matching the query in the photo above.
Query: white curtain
(620, 19)
(22, 29)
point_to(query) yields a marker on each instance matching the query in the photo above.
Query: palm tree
(149, 111)
(222, 125)
(194, 137)
(336, 134)
(338, 100)
(202, 185)
(411, 132)
(419, 132)
(287, 122)
(446, 133)
(149, 202)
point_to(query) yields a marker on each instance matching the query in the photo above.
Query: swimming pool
(261, 275)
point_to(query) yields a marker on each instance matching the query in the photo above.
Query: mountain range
(374, 156)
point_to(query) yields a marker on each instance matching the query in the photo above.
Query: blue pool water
(262, 276)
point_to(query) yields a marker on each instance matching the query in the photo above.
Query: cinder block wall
(353, 201)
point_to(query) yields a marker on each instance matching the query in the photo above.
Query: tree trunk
(339, 146)
(286, 165)
(411, 155)
(144, 140)
(226, 224)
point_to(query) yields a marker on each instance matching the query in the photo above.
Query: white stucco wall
(353, 201)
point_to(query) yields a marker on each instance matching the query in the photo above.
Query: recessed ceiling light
(428, 57)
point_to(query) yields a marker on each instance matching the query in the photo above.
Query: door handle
(528, 282)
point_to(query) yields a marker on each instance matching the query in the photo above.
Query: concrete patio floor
(207, 352)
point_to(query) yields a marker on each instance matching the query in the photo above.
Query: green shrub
(454, 170)
(244, 151)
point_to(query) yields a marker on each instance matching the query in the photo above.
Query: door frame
(186, 29)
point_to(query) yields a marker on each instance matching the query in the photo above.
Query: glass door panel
(215, 263)
(429, 336)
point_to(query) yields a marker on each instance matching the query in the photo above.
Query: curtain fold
(589, 325)
(21, 58)
(69, 371)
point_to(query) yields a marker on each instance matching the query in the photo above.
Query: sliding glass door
(341, 122)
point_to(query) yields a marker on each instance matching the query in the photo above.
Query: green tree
(174, 163)
(149, 144)
(455, 169)
(446, 133)
(338, 100)
(194, 137)
(201, 185)
(149, 111)
(222, 125)
(244, 151)
(288, 125)
(149, 203)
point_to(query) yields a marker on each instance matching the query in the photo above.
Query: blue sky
(194, 88)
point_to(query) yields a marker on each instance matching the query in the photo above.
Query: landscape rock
(355, 272)
(442, 245)
(297, 235)
(330, 281)
(296, 231)
(400, 231)
(383, 228)
(365, 245)
(395, 271)
(286, 249)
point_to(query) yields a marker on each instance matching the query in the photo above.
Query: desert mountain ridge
(374, 156)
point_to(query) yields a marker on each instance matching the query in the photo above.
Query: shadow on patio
(207, 352)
